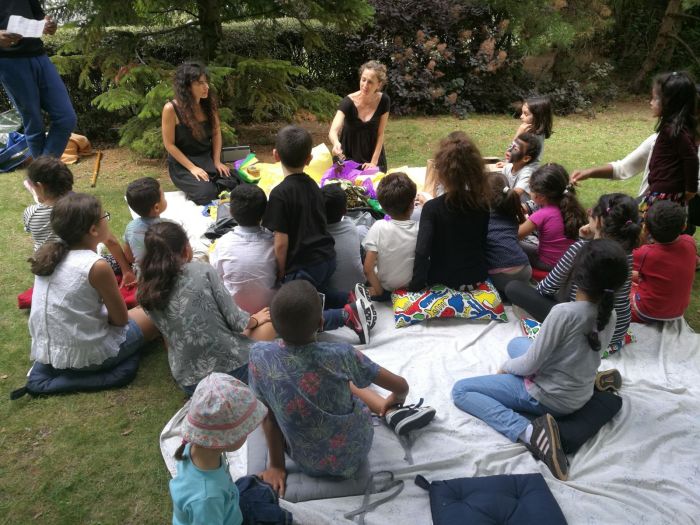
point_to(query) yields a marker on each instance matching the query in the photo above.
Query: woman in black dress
(192, 137)
(357, 132)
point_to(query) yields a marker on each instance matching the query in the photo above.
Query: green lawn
(94, 458)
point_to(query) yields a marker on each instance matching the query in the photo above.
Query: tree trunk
(663, 46)
(209, 12)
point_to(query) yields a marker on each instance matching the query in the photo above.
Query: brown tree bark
(664, 45)
(209, 14)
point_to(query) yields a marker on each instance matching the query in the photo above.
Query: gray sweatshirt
(561, 362)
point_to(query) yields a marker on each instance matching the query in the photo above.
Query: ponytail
(72, 217)
(161, 265)
(180, 452)
(600, 270)
(572, 212)
(552, 182)
(504, 199)
(605, 308)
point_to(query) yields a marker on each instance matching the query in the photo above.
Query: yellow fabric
(78, 146)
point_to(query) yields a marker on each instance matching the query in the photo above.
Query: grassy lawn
(94, 458)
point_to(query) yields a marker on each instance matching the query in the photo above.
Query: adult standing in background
(32, 83)
(357, 131)
(192, 136)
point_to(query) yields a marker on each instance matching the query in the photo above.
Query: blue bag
(15, 152)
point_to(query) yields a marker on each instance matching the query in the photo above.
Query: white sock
(526, 434)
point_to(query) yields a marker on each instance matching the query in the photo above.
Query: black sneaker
(409, 417)
(357, 321)
(546, 446)
(371, 313)
(608, 380)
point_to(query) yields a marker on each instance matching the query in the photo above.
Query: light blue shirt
(135, 233)
(205, 497)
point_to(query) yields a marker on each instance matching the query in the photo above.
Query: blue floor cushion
(45, 379)
(520, 499)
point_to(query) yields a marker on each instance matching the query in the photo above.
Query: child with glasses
(78, 318)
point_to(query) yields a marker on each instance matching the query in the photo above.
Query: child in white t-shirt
(245, 257)
(391, 245)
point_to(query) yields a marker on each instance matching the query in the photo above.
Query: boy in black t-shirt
(296, 214)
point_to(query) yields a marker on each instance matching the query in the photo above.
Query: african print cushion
(440, 302)
(531, 328)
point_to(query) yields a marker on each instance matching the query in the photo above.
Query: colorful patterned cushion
(438, 301)
(531, 328)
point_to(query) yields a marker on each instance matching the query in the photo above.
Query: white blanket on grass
(642, 468)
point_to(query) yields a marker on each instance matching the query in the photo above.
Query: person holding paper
(31, 81)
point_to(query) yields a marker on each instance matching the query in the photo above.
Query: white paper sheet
(26, 27)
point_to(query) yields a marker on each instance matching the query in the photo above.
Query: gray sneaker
(546, 446)
(371, 312)
(410, 417)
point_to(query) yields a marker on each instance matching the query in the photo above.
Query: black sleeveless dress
(359, 138)
(198, 151)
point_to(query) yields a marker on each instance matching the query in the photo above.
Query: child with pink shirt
(558, 219)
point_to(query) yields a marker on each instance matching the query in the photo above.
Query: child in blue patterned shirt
(319, 404)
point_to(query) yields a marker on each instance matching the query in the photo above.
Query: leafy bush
(442, 56)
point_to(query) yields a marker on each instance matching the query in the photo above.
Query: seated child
(348, 271)
(505, 258)
(317, 396)
(523, 154)
(615, 216)
(146, 198)
(558, 219)
(222, 413)
(303, 247)
(390, 246)
(665, 269)
(555, 374)
(49, 179)
(451, 245)
(205, 331)
(244, 258)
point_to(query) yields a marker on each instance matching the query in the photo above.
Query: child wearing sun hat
(223, 411)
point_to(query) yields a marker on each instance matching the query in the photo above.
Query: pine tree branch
(684, 15)
(169, 29)
(173, 10)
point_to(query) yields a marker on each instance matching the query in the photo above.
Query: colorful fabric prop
(531, 328)
(348, 170)
(440, 302)
(247, 170)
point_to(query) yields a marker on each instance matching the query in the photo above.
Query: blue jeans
(319, 274)
(32, 84)
(494, 399)
(133, 343)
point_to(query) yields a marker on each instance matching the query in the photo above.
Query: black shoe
(409, 417)
(608, 380)
(357, 320)
(546, 446)
(370, 312)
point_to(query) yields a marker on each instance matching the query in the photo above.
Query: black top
(26, 47)
(197, 150)
(451, 246)
(502, 247)
(296, 208)
(359, 138)
(673, 167)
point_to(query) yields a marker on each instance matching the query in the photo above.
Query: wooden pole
(96, 170)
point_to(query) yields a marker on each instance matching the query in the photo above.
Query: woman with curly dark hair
(451, 245)
(192, 137)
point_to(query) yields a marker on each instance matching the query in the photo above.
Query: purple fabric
(348, 170)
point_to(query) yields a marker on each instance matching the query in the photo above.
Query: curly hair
(186, 74)
(460, 169)
(378, 68)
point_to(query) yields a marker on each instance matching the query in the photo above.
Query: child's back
(666, 275)
(146, 198)
(296, 208)
(394, 242)
(209, 495)
(348, 270)
(245, 258)
(328, 431)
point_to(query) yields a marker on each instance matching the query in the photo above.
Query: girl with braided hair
(553, 375)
